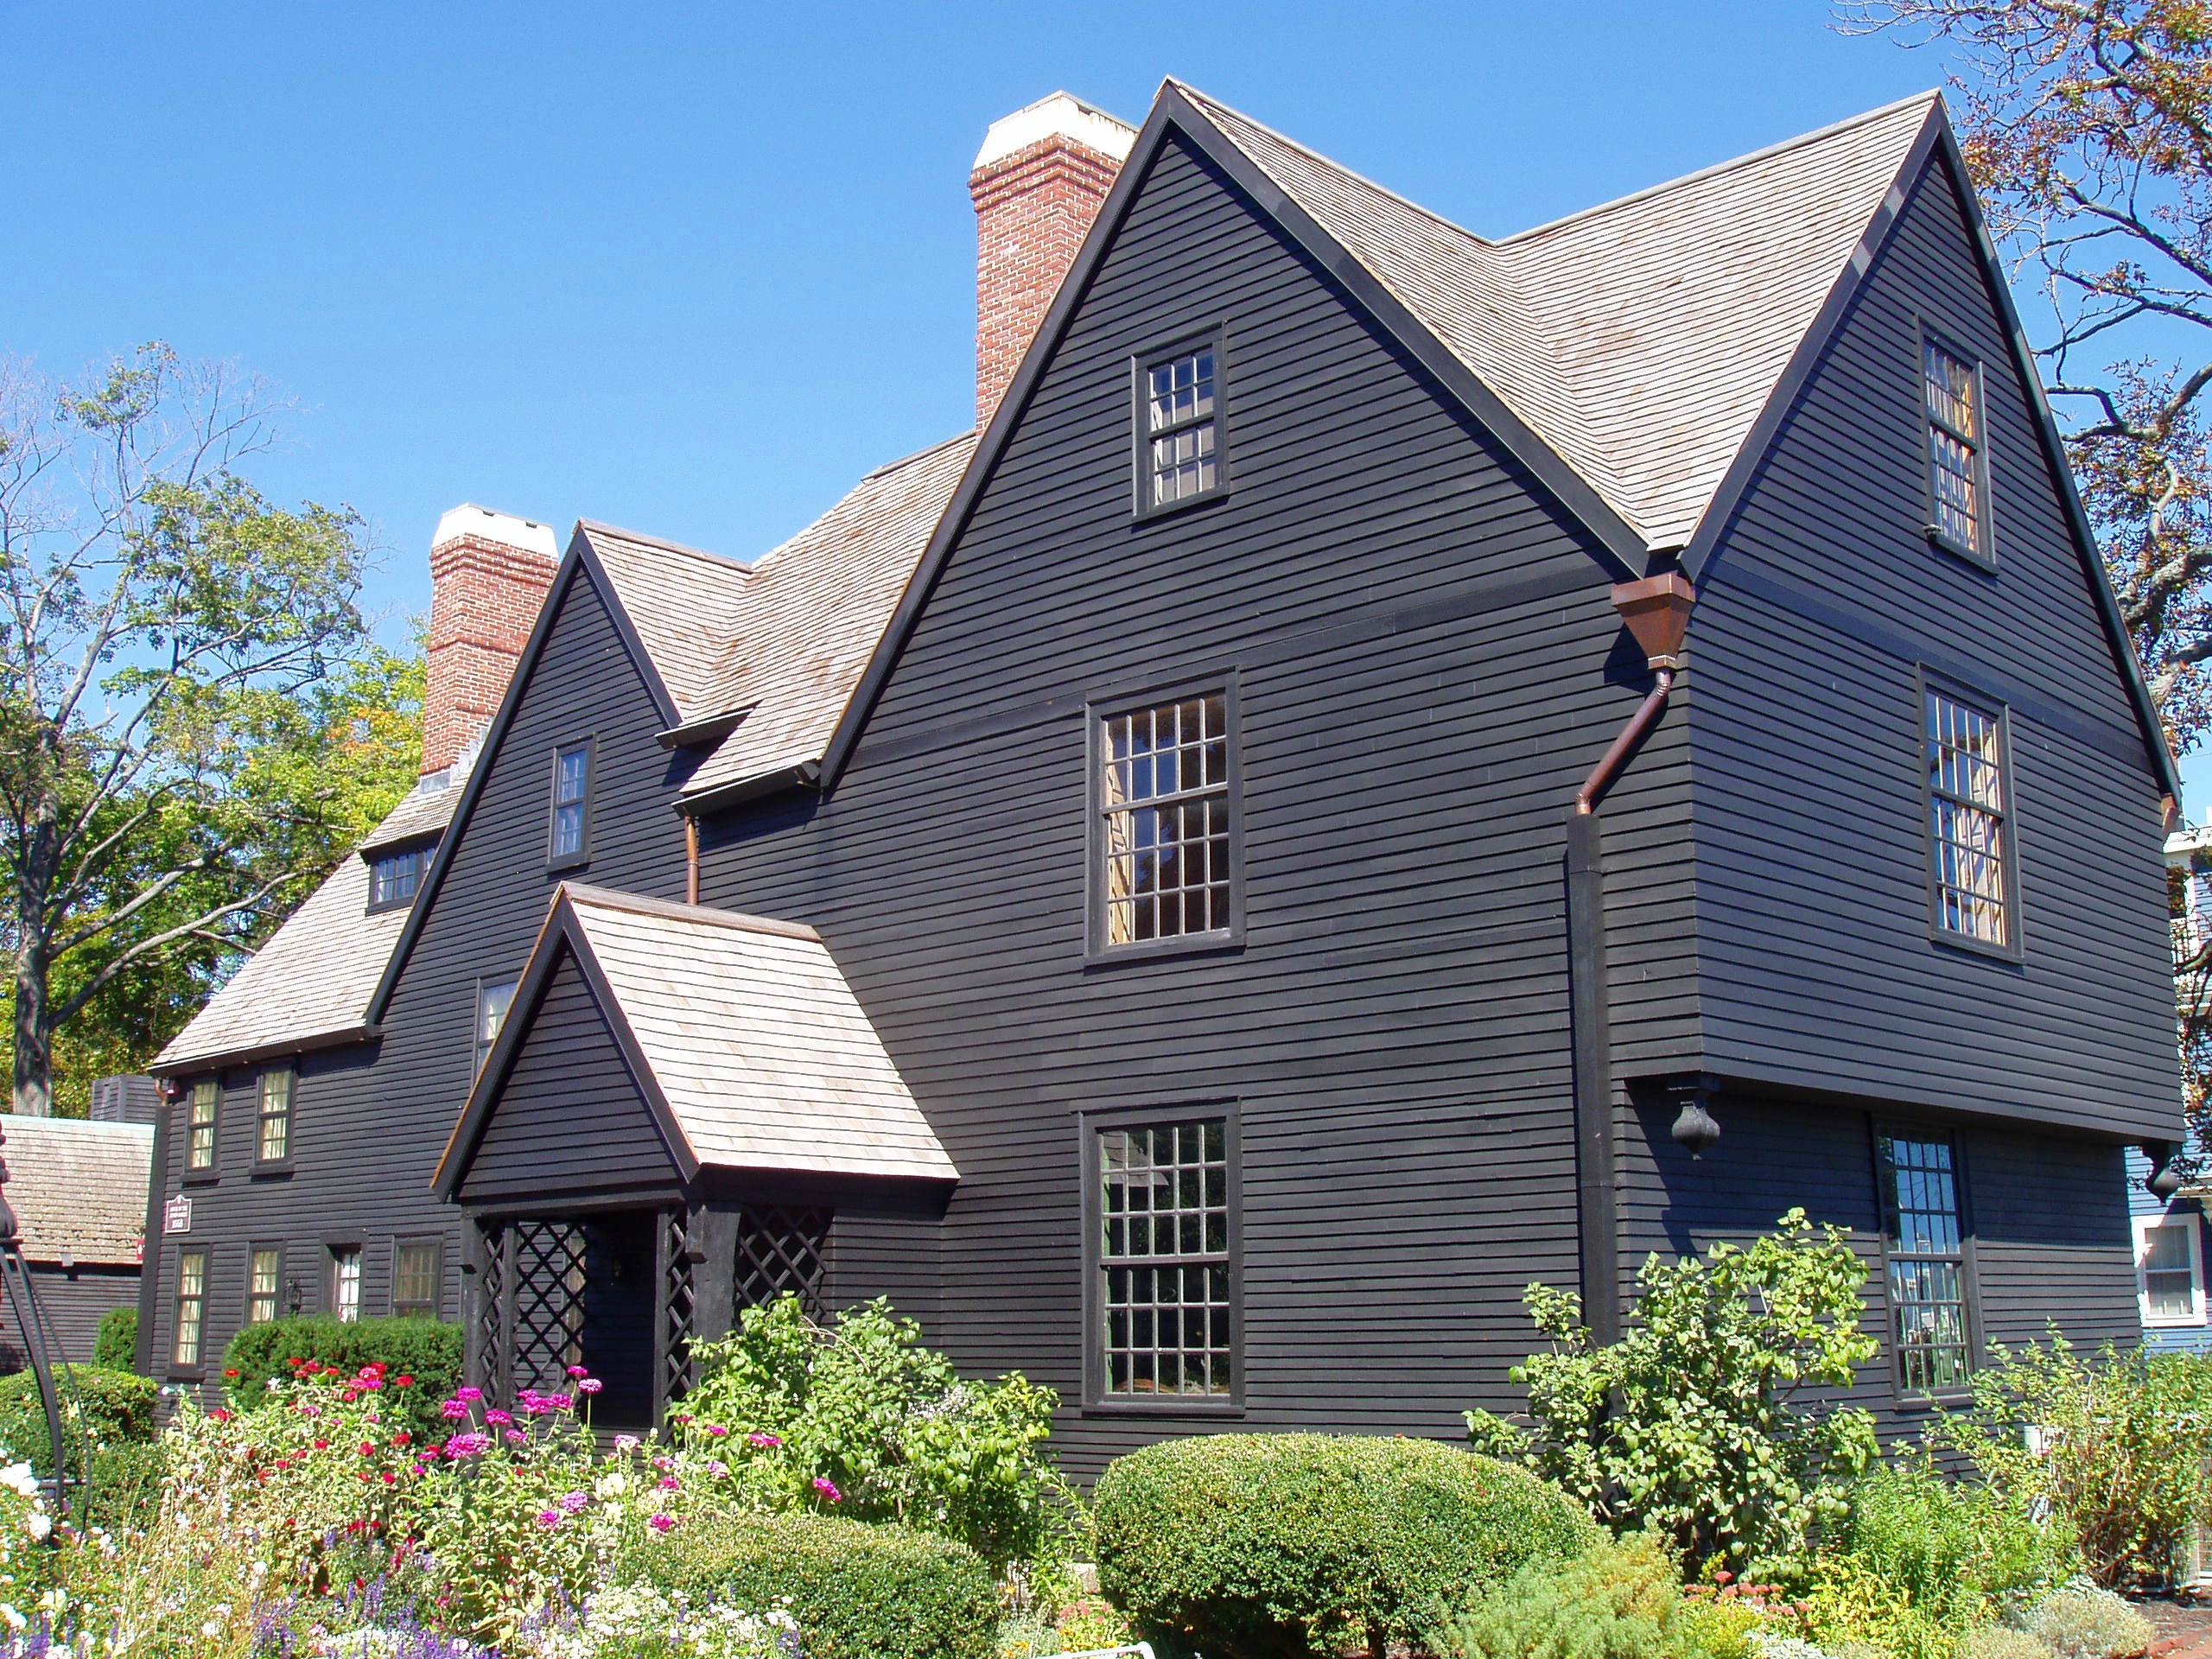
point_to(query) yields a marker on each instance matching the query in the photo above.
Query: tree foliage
(192, 719)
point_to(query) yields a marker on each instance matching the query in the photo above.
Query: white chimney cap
(469, 519)
(1062, 115)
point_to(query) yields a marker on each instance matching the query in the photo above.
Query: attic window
(1958, 467)
(571, 842)
(394, 877)
(1181, 454)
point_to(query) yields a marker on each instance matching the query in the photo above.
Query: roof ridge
(925, 451)
(75, 1125)
(644, 905)
(1835, 129)
(590, 526)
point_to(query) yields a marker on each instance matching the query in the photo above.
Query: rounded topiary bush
(99, 1407)
(856, 1591)
(117, 1345)
(1293, 1544)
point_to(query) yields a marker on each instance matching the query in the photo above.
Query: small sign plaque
(176, 1215)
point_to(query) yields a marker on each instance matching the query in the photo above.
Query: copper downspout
(1639, 724)
(1657, 612)
(690, 859)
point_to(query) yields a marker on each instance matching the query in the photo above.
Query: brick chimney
(489, 572)
(1038, 183)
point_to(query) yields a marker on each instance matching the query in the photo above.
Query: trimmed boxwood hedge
(857, 1591)
(1310, 1544)
(117, 1345)
(426, 1350)
(101, 1407)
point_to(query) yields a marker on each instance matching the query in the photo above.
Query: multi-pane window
(571, 800)
(345, 1283)
(493, 999)
(1953, 391)
(1966, 810)
(1165, 1307)
(1164, 810)
(274, 1144)
(264, 1278)
(1179, 427)
(1931, 1335)
(394, 877)
(199, 1125)
(2170, 1269)
(414, 1279)
(191, 1307)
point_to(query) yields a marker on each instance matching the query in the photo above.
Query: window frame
(199, 1174)
(481, 1046)
(254, 1250)
(1214, 337)
(420, 853)
(2192, 1224)
(1928, 336)
(1096, 711)
(1092, 1124)
(433, 1243)
(554, 858)
(195, 1367)
(282, 1162)
(1969, 1266)
(337, 1250)
(1931, 683)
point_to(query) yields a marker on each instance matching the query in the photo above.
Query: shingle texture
(756, 1040)
(679, 600)
(313, 977)
(79, 1189)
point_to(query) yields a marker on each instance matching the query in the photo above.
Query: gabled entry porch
(686, 1113)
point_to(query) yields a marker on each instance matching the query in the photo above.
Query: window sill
(1144, 515)
(277, 1170)
(1164, 1407)
(2197, 1323)
(199, 1177)
(571, 861)
(1973, 947)
(1948, 1401)
(1984, 562)
(1188, 944)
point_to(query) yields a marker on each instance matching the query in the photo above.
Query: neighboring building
(1127, 883)
(79, 1191)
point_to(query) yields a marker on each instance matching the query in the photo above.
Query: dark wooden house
(78, 1190)
(1392, 765)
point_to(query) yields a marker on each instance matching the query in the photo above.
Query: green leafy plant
(1622, 1600)
(1707, 1421)
(859, 1416)
(1300, 1543)
(1960, 1549)
(2082, 1620)
(2001, 1641)
(117, 1344)
(1849, 1607)
(99, 1407)
(2113, 1443)
(425, 1350)
(855, 1591)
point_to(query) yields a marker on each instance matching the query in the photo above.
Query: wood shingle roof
(79, 1188)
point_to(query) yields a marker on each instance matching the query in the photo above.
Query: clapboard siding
(1815, 967)
(75, 1299)
(571, 1118)
(370, 1120)
(1422, 647)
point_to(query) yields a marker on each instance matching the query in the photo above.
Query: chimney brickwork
(1038, 183)
(489, 573)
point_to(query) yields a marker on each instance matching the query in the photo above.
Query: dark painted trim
(276, 1165)
(557, 861)
(2013, 949)
(1621, 548)
(1597, 1220)
(149, 1261)
(805, 775)
(198, 1369)
(1212, 337)
(708, 728)
(346, 1037)
(253, 1246)
(405, 1241)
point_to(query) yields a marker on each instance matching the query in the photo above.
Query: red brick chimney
(1038, 183)
(489, 572)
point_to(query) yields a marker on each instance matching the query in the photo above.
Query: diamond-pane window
(1930, 1334)
(1955, 467)
(1968, 805)
(494, 998)
(1166, 1307)
(1164, 805)
(1179, 427)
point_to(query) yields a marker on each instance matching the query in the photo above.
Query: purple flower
(467, 1445)
(589, 1385)
(765, 1442)
(469, 1393)
(516, 1437)
(454, 1410)
(661, 1523)
(717, 1468)
(558, 1402)
(578, 1370)
(828, 1488)
(573, 1502)
(549, 1519)
(496, 1417)
(716, 1430)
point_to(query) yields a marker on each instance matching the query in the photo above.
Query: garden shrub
(887, 1424)
(2115, 1444)
(2082, 1620)
(117, 1344)
(99, 1407)
(2001, 1641)
(1850, 1607)
(1708, 1420)
(1302, 1543)
(425, 1349)
(855, 1591)
(1621, 1600)
(1958, 1549)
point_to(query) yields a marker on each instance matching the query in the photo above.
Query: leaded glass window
(1166, 1306)
(1952, 395)
(199, 1125)
(265, 1275)
(274, 1144)
(1164, 807)
(1967, 811)
(493, 999)
(1930, 1331)
(191, 1307)
(1181, 399)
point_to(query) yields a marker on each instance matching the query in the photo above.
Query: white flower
(16, 1620)
(17, 1478)
(38, 1524)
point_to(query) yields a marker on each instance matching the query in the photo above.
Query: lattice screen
(781, 1248)
(491, 1308)
(678, 1303)
(548, 1301)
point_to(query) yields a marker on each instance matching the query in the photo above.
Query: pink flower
(828, 1488)
(549, 1519)
(557, 1402)
(764, 1441)
(469, 1393)
(516, 1437)
(716, 1430)
(454, 1410)
(572, 1502)
(495, 1416)
(466, 1445)
(661, 1523)
(668, 1482)
(578, 1370)
(663, 1462)
(589, 1385)
(717, 1468)
(626, 1442)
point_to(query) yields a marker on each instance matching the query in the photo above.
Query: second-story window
(264, 1276)
(1958, 470)
(394, 877)
(571, 837)
(1165, 807)
(274, 1144)
(494, 998)
(1969, 829)
(199, 1125)
(1180, 449)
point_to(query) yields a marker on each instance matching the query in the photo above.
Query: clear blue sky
(694, 269)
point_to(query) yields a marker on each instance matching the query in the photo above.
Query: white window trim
(2193, 1225)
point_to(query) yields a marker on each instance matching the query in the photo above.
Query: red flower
(403, 1439)
(390, 1479)
(368, 1449)
(403, 1381)
(219, 1415)
(230, 1370)
(322, 1445)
